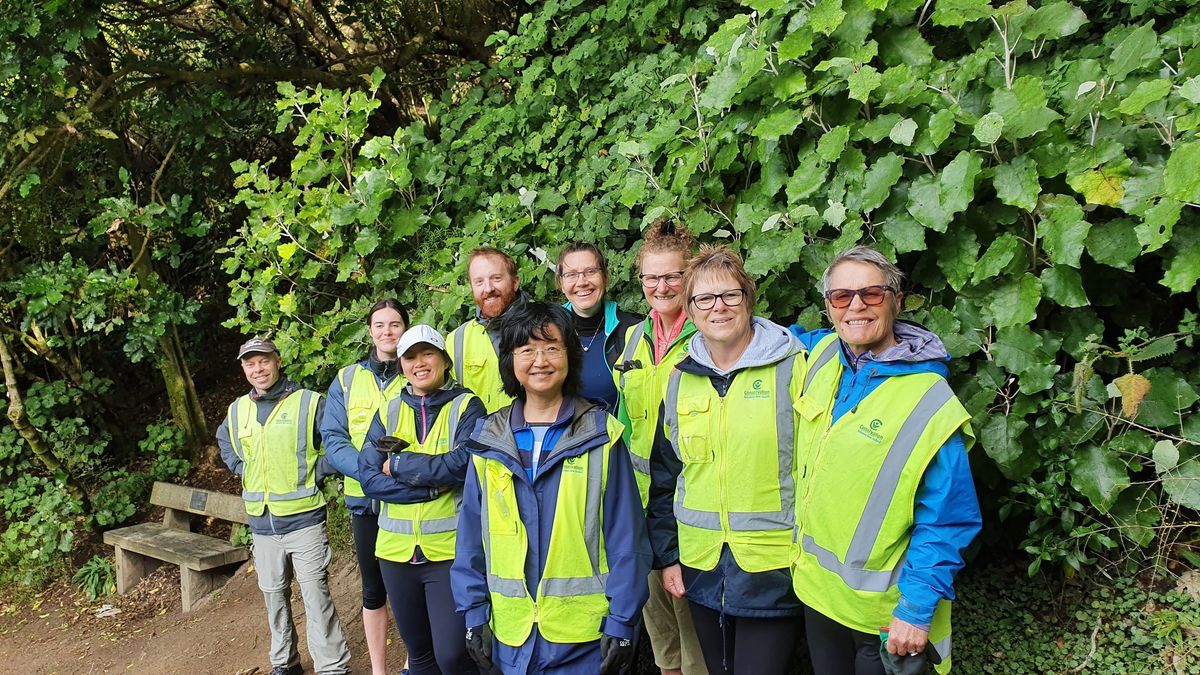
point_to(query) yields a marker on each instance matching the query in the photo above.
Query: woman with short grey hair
(889, 503)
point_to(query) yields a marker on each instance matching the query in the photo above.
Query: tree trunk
(32, 435)
(181, 390)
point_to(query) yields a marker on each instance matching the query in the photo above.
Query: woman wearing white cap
(415, 442)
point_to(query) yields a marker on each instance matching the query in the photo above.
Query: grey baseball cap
(256, 346)
(420, 333)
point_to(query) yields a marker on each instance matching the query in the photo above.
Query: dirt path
(227, 635)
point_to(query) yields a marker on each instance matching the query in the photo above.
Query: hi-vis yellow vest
(642, 384)
(737, 486)
(858, 481)
(430, 525)
(570, 602)
(363, 400)
(476, 365)
(280, 456)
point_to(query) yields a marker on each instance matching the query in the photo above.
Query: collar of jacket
(611, 320)
(282, 387)
(581, 426)
(437, 398)
(384, 370)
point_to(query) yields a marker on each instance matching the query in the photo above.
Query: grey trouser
(306, 554)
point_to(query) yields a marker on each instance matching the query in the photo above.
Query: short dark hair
(529, 322)
(389, 303)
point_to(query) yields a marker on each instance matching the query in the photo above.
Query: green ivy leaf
(988, 128)
(880, 178)
(903, 132)
(1099, 475)
(925, 204)
(796, 44)
(1169, 396)
(1182, 484)
(905, 233)
(1165, 455)
(1063, 230)
(955, 13)
(808, 177)
(367, 241)
(286, 251)
(864, 81)
(1017, 183)
(1020, 351)
(1138, 49)
(1064, 286)
(1157, 225)
(1143, 95)
(1001, 439)
(1137, 514)
(1183, 270)
(1114, 244)
(1053, 21)
(1191, 89)
(1024, 107)
(1181, 180)
(1016, 302)
(830, 147)
(634, 189)
(957, 181)
(1098, 187)
(998, 255)
(826, 16)
(778, 123)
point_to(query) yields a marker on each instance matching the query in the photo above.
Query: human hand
(672, 580)
(905, 639)
(387, 466)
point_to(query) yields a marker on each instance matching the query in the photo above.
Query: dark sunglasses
(840, 298)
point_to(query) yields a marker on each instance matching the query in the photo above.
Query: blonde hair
(712, 261)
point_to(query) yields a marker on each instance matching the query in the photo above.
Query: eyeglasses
(840, 298)
(529, 354)
(589, 273)
(652, 280)
(731, 298)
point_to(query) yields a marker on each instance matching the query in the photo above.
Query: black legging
(365, 528)
(838, 650)
(744, 645)
(424, 610)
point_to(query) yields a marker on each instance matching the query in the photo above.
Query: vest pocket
(695, 446)
(502, 501)
(808, 407)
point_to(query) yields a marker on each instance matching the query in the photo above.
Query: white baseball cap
(420, 333)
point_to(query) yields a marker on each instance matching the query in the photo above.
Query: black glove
(391, 444)
(479, 648)
(616, 654)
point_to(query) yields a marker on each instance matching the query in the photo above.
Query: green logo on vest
(756, 390)
(570, 466)
(869, 431)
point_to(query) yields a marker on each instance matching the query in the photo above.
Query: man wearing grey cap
(270, 440)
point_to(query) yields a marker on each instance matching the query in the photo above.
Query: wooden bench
(205, 563)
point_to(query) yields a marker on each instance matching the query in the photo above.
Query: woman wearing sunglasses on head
(583, 278)
(886, 503)
(652, 348)
(721, 510)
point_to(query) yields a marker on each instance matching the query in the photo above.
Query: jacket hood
(386, 370)
(771, 343)
(583, 424)
(917, 349)
(440, 397)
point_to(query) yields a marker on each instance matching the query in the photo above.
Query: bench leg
(195, 586)
(131, 567)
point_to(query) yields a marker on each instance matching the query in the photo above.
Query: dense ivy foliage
(1032, 165)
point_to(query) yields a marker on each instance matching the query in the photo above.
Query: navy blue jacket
(500, 436)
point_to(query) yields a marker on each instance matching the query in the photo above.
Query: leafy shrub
(166, 442)
(42, 520)
(96, 578)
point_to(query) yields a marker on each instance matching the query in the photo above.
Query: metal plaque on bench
(199, 499)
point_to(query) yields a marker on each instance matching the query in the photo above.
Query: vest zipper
(724, 493)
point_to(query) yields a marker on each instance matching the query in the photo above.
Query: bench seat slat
(194, 551)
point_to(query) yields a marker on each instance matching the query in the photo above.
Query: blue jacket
(416, 476)
(500, 436)
(335, 431)
(597, 379)
(946, 516)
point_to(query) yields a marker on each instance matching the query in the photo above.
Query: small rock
(107, 610)
(1189, 582)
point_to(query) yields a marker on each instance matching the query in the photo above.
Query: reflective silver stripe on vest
(855, 577)
(785, 431)
(296, 494)
(460, 338)
(456, 407)
(640, 464)
(825, 357)
(943, 647)
(888, 480)
(509, 588)
(631, 349)
(234, 437)
(347, 379)
(302, 449)
(568, 586)
(879, 501)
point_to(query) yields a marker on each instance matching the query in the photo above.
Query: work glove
(479, 648)
(905, 664)
(616, 654)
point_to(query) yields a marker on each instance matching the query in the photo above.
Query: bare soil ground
(59, 632)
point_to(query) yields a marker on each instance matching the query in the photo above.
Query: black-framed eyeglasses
(731, 298)
(840, 298)
(652, 280)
